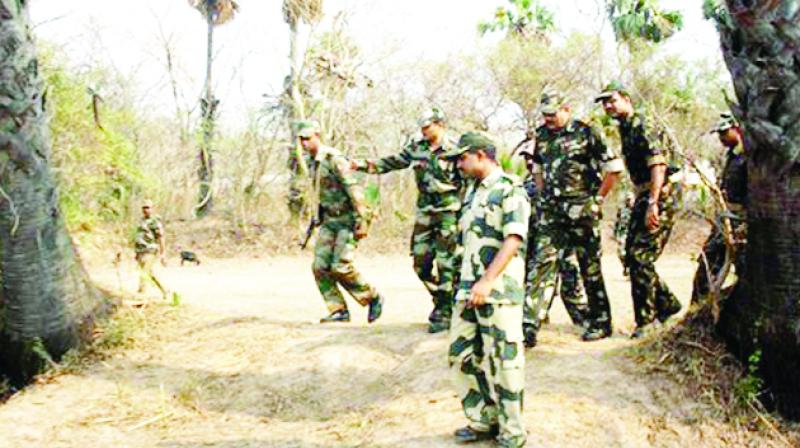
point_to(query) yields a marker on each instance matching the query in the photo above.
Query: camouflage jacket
(340, 195)
(148, 235)
(439, 182)
(643, 146)
(493, 210)
(733, 181)
(572, 161)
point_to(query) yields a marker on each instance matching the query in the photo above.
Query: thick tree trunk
(761, 45)
(46, 300)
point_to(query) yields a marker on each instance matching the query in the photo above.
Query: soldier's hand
(480, 291)
(651, 217)
(163, 261)
(353, 165)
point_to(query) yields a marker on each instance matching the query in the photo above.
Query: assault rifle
(310, 231)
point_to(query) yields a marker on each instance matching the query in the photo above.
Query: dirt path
(249, 367)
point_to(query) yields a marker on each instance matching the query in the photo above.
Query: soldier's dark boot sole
(595, 334)
(468, 435)
(375, 309)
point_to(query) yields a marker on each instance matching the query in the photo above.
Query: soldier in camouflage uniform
(646, 153)
(574, 170)
(568, 270)
(621, 225)
(486, 351)
(344, 218)
(150, 247)
(733, 183)
(434, 239)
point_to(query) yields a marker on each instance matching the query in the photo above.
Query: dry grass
(693, 357)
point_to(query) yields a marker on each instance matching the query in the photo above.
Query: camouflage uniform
(643, 148)
(146, 244)
(621, 225)
(486, 351)
(733, 183)
(434, 241)
(572, 161)
(341, 208)
(567, 267)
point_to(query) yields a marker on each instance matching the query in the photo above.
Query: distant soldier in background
(434, 241)
(621, 225)
(150, 247)
(646, 152)
(344, 219)
(574, 170)
(733, 183)
(569, 288)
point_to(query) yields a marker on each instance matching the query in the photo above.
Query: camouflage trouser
(714, 254)
(621, 232)
(488, 362)
(333, 265)
(569, 289)
(433, 245)
(146, 261)
(651, 297)
(554, 242)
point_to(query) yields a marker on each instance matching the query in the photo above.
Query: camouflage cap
(551, 101)
(609, 89)
(726, 121)
(471, 141)
(432, 115)
(147, 203)
(306, 128)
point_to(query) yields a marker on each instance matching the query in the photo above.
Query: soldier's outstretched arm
(383, 165)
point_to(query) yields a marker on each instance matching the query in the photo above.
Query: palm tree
(46, 301)
(216, 12)
(294, 12)
(761, 320)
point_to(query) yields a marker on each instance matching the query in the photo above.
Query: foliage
(98, 168)
(717, 11)
(525, 18)
(218, 11)
(307, 11)
(642, 19)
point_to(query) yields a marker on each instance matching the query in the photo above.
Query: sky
(251, 51)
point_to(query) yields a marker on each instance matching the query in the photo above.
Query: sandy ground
(248, 366)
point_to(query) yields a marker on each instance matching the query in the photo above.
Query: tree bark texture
(46, 300)
(761, 45)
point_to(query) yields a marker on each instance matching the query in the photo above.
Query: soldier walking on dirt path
(434, 239)
(344, 218)
(568, 271)
(150, 247)
(646, 153)
(486, 351)
(574, 170)
(733, 184)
